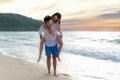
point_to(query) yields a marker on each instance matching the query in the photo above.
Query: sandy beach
(16, 69)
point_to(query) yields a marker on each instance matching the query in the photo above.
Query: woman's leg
(48, 64)
(54, 64)
(60, 42)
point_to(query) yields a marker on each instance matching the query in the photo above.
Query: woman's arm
(59, 29)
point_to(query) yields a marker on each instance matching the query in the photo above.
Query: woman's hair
(57, 14)
(47, 18)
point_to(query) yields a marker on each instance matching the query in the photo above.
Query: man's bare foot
(55, 74)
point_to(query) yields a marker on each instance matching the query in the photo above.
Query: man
(51, 44)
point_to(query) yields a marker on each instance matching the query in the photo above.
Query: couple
(52, 36)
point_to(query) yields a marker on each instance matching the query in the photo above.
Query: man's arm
(41, 37)
(41, 45)
(40, 32)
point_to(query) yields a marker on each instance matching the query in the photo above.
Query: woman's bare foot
(48, 73)
(59, 58)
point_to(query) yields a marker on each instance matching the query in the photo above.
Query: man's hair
(47, 18)
(57, 14)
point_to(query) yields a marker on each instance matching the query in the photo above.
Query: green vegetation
(16, 22)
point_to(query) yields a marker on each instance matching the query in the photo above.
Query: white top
(50, 39)
(60, 33)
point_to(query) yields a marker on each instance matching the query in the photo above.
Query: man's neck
(48, 26)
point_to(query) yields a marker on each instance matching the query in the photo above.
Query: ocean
(85, 55)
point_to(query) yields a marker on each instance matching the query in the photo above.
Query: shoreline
(17, 69)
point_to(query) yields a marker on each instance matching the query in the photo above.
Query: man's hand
(39, 59)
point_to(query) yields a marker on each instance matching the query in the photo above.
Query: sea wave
(2, 52)
(20, 42)
(114, 41)
(107, 54)
(117, 41)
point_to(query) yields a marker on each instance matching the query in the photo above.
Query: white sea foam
(85, 68)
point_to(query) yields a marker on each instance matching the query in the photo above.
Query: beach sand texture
(16, 69)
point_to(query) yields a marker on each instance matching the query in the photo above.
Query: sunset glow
(76, 14)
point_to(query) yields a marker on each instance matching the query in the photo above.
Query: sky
(85, 15)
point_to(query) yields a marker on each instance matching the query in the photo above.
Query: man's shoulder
(41, 27)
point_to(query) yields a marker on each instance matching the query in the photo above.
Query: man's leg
(54, 64)
(60, 42)
(48, 64)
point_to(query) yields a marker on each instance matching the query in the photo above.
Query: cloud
(71, 21)
(41, 10)
(5, 1)
(44, 8)
(76, 21)
(110, 15)
(114, 23)
(111, 8)
(76, 13)
(116, 27)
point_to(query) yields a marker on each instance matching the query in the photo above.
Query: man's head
(48, 20)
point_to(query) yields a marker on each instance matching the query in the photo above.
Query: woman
(56, 22)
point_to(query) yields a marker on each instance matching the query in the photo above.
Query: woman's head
(48, 20)
(56, 17)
